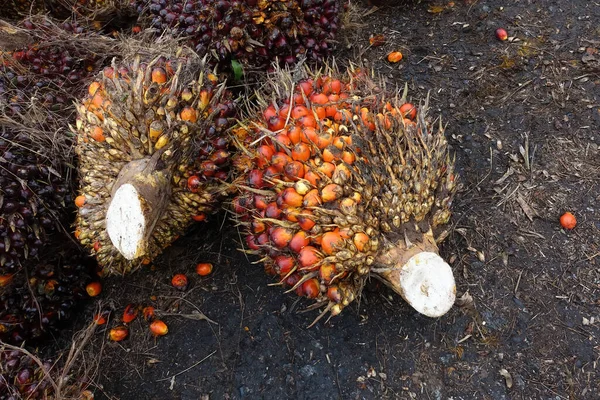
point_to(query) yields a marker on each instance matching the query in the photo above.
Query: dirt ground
(523, 119)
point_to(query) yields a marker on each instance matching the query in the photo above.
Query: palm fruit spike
(153, 157)
(339, 182)
(253, 32)
(39, 299)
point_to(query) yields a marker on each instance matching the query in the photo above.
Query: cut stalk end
(414, 270)
(426, 283)
(126, 223)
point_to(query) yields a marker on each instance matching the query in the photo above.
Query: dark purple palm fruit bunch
(14, 9)
(21, 376)
(31, 192)
(40, 299)
(254, 33)
(45, 74)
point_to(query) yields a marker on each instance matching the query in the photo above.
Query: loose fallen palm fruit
(130, 313)
(153, 156)
(118, 333)
(21, 377)
(394, 57)
(93, 289)
(148, 313)
(35, 304)
(204, 269)
(336, 184)
(159, 328)
(255, 32)
(501, 34)
(568, 221)
(179, 282)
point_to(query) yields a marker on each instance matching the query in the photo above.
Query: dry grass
(72, 372)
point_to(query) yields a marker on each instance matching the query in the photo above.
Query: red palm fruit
(148, 313)
(301, 152)
(93, 289)
(273, 211)
(290, 198)
(309, 257)
(331, 241)
(284, 264)
(130, 313)
(333, 293)
(179, 281)
(331, 192)
(360, 240)
(299, 241)
(158, 328)
(310, 288)
(306, 220)
(408, 111)
(118, 333)
(327, 272)
(312, 199)
(265, 152)
(281, 236)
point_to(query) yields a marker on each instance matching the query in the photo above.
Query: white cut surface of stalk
(125, 221)
(428, 284)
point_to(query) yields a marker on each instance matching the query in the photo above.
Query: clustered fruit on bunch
(31, 199)
(151, 145)
(38, 301)
(15, 9)
(22, 376)
(44, 76)
(337, 180)
(253, 32)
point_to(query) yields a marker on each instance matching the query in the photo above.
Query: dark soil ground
(523, 119)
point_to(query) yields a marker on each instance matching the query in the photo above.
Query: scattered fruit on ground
(158, 328)
(501, 34)
(130, 313)
(179, 282)
(93, 289)
(204, 269)
(394, 56)
(568, 221)
(118, 333)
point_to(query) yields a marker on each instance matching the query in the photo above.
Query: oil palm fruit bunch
(31, 192)
(153, 157)
(41, 297)
(253, 32)
(46, 74)
(341, 181)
